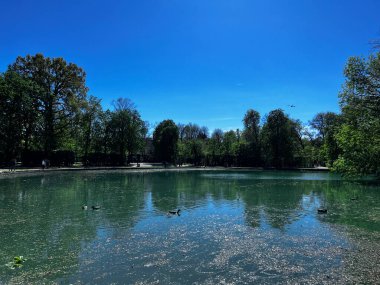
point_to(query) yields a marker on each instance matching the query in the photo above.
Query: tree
(165, 139)
(361, 152)
(192, 132)
(251, 135)
(181, 131)
(195, 151)
(203, 133)
(359, 135)
(324, 123)
(128, 130)
(230, 147)
(191, 147)
(327, 126)
(62, 92)
(280, 138)
(214, 147)
(17, 113)
(89, 121)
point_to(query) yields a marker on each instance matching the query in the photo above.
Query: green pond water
(235, 227)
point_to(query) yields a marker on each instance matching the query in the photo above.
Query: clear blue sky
(201, 61)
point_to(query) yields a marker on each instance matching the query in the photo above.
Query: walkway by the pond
(133, 167)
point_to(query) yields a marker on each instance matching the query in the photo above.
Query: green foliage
(326, 126)
(359, 136)
(127, 129)
(44, 109)
(61, 94)
(165, 139)
(195, 151)
(17, 113)
(360, 152)
(89, 121)
(230, 147)
(251, 135)
(215, 148)
(281, 139)
(192, 144)
(17, 262)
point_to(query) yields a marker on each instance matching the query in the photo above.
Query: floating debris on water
(17, 262)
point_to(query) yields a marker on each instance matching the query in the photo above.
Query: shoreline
(144, 168)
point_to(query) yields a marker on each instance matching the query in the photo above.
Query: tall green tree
(128, 130)
(230, 147)
(359, 136)
(281, 139)
(192, 143)
(215, 147)
(326, 126)
(251, 135)
(101, 141)
(89, 120)
(62, 92)
(18, 114)
(165, 140)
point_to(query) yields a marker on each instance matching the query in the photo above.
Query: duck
(175, 212)
(322, 211)
(84, 207)
(97, 207)
(354, 198)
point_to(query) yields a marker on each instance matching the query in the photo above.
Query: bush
(101, 159)
(32, 158)
(62, 158)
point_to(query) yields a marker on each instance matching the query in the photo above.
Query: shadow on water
(234, 227)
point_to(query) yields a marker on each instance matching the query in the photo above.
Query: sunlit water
(234, 228)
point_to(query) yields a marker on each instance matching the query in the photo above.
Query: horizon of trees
(47, 113)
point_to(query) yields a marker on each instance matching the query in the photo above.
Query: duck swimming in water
(96, 207)
(174, 212)
(322, 211)
(84, 207)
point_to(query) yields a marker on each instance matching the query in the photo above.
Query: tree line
(47, 113)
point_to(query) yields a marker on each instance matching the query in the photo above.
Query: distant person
(43, 164)
(12, 165)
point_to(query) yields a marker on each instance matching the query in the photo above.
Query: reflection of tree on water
(354, 204)
(174, 190)
(277, 202)
(41, 217)
(45, 222)
(120, 196)
(39, 225)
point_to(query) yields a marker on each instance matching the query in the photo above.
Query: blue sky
(200, 61)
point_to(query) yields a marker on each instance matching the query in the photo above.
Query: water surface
(235, 227)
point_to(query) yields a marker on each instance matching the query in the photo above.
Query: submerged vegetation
(236, 226)
(17, 262)
(46, 113)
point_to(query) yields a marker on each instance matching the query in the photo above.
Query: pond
(234, 227)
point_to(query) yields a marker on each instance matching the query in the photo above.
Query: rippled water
(234, 228)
